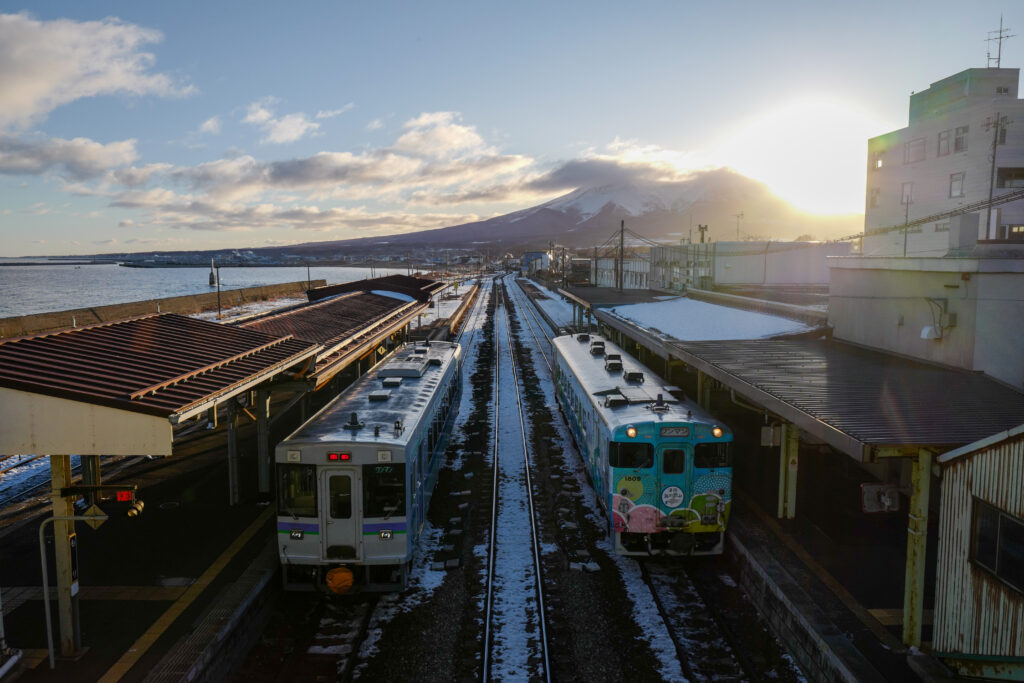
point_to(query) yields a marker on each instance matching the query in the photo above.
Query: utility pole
(622, 252)
(565, 277)
(906, 219)
(703, 229)
(738, 217)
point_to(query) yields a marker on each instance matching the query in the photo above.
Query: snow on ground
(473, 326)
(692, 320)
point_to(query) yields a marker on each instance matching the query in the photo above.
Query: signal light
(334, 457)
(125, 496)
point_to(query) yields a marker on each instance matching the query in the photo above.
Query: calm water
(43, 288)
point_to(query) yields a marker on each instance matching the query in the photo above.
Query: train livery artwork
(354, 482)
(661, 466)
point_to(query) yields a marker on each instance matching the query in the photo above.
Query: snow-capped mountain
(660, 211)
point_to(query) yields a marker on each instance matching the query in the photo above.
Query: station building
(943, 160)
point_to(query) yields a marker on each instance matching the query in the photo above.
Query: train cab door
(674, 477)
(342, 521)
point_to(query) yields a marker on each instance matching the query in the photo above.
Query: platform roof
(166, 365)
(345, 325)
(856, 399)
(418, 288)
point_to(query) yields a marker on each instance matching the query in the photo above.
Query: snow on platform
(692, 320)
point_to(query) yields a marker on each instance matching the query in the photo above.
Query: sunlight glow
(811, 152)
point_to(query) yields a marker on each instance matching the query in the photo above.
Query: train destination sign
(675, 431)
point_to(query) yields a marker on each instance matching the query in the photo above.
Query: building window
(1002, 90)
(1015, 232)
(944, 138)
(1002, 135)
(876, 161)
(913, 151)
(1010, 177)
(960, 141)
(956, 185)
(942, 227)
(997, 543)
(907, 195)
(873, 193)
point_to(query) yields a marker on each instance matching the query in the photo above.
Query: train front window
(296, 490)
(631, 455)
(673, 461)
(708, 455)
(340, 486)
(384, 490)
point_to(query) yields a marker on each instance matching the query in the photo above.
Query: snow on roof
(693, 320)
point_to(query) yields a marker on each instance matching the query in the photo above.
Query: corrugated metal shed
(858, 399)
(975, 612)
(345, 325)
(160, 364)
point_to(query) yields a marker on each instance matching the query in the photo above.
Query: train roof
(627, 392)
(398, 389)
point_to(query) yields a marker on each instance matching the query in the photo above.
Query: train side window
(707, 455)
(673, 461)
(631, 455)
(384, 490)
(296, 490)
(340, 489)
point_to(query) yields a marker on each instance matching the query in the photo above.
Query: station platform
(156, 591)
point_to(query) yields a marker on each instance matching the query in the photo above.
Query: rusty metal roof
(872, 399)
(418, 288)
(343, 325)
(158, 364)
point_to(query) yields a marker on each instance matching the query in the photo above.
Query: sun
(811, 152)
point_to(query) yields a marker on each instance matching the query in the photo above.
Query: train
(661, 466)
(354, 482)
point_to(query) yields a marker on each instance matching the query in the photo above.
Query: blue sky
(128, 126)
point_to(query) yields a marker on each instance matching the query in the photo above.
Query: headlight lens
(631, 431)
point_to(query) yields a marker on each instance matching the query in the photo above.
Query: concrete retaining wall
(185, 305)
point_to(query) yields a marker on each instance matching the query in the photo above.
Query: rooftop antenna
(998, 37)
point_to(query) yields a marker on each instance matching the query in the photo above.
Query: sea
(46, 286)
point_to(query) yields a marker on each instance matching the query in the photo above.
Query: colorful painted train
(661, 466)
(354, 482)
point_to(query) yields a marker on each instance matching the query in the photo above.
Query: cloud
(436, 134)
(375, 124)
(78, 159)
(288, 128)
(331, 113)
(134, 176)
(46, 64)
(210, 126)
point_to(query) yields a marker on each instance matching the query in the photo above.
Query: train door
(674, 477)
(341, 514)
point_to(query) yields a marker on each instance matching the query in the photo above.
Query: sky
(136, 126)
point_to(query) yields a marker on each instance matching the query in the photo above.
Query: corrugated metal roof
(875, 398)
(343, 325)
(418, 288)
(158, 364)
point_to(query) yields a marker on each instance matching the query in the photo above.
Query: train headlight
(385, 534)
(716, 432)
(631, 431)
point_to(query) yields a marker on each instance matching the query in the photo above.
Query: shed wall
(976, 613)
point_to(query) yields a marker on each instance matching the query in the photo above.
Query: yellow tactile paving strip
(146, 640)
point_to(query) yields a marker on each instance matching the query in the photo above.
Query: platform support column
(789, 464)
(91, 475)
(263, 439)
(703, 390)
(67, 584)
(234, 496)
(917, 545)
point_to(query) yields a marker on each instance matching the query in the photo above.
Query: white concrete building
(942, 160)
(635, 272)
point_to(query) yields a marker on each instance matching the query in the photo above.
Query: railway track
(515, 629)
